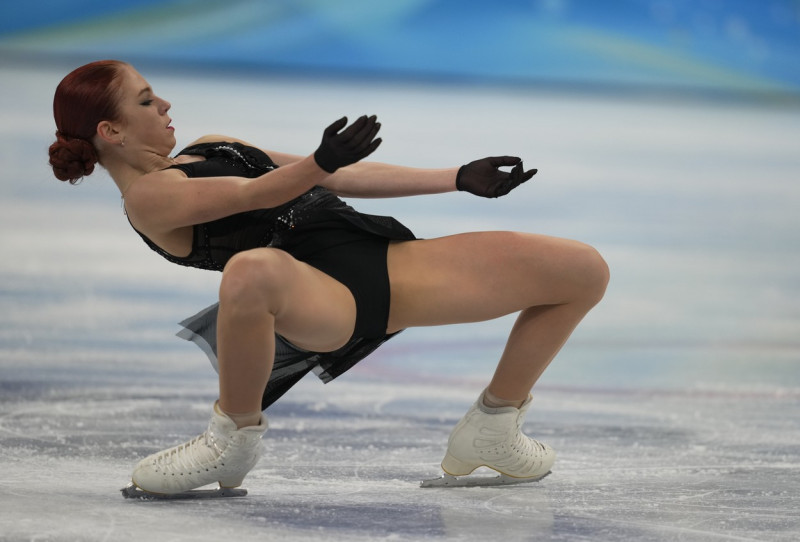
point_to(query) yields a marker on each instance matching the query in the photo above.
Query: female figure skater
(307, 282)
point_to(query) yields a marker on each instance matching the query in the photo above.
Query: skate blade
(132, 491)
(448, 480)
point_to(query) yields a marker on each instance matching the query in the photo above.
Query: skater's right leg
(263, 291)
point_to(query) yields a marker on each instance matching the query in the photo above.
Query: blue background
(733, 47)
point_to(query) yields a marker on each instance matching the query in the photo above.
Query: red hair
(84, 98)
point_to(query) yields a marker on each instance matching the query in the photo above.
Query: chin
(170, 146)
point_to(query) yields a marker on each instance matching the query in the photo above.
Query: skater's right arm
(167, 200)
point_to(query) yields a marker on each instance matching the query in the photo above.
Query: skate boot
(492, 437)
(222, 454)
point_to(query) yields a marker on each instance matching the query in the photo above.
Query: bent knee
(254, 277)
(595, 274)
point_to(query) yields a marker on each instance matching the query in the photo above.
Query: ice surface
(675, 409)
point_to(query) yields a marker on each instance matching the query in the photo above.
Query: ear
(108, 132)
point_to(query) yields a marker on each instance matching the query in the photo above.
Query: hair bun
(72, 158)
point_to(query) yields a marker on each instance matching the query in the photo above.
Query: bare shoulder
(148, 187)
(161, 202)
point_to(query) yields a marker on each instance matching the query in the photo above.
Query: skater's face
(144, 124)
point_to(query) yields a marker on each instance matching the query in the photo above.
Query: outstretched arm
(374, 179)
(166, 200)
(482, 177)
(377, 180)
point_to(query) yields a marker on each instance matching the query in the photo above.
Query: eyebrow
(145, 90)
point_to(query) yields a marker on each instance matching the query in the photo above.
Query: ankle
(241, 419)
(490, 400)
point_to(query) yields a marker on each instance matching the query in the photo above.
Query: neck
(125, 173)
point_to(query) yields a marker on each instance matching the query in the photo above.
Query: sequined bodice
(215, 242)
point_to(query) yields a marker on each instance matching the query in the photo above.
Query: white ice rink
(675, 409)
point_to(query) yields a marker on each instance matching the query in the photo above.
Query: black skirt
(291, 363)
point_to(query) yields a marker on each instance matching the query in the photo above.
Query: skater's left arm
(378, 180)
(482, 177)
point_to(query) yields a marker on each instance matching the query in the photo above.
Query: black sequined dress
(316, 227)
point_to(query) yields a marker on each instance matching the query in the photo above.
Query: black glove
(484, 178)
(348, 147)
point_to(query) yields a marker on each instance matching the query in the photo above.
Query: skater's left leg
(472, 277)
(544, 330)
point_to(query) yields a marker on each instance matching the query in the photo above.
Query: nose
(165, 106)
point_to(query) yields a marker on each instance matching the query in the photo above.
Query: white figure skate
(492, 437)
(223, 454)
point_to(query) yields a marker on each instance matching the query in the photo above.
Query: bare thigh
(480, 276)
(311, 309)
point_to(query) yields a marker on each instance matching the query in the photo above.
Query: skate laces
(510, 449)
(191, 455)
